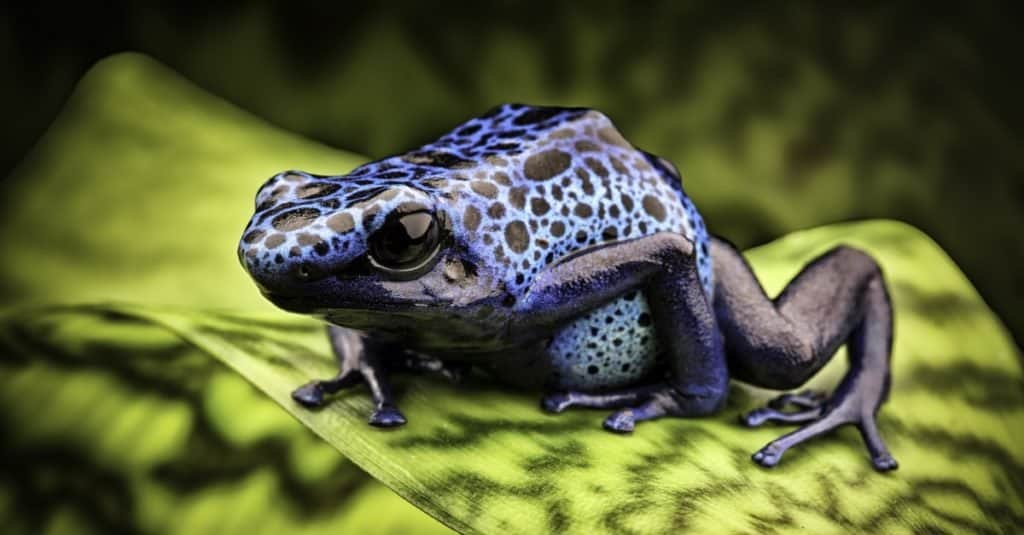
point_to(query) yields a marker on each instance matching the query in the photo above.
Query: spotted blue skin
(520, 188)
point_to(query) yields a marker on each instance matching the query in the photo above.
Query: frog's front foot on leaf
(385, 414)
(309, 395)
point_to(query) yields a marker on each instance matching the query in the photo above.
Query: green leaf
(137, 194)
(140, 190)
(112, 424)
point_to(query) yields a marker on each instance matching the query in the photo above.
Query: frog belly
(613, 346)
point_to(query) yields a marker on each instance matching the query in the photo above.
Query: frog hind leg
(358, 359)
(840, 297)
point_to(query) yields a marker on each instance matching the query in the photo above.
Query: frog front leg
(663, 267)
(358, 358)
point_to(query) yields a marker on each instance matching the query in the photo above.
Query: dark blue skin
(540, 246)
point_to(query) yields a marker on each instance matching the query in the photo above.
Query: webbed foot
(820, 415)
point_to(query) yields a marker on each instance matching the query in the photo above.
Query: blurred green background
(781, 116)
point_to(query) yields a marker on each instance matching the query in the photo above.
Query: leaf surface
(485, 460)
(138, 192)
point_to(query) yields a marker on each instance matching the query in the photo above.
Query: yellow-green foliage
(138, 193)
(122, 416)
(112, 425)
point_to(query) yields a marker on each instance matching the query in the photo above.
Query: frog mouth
(357, 295)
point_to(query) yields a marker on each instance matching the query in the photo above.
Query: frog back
(567, 180)
(545, 183)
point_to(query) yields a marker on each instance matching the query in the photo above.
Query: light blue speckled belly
(613, 346)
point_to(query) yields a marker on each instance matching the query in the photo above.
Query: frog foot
(623, 421)
(387, 416)
(309, 395)
(820, 415)
(312, 395)
(635, 405)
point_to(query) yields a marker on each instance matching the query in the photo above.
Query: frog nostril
(303, 271)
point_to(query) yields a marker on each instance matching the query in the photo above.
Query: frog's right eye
(406, 245)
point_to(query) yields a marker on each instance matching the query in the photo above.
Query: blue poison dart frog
(538, 245)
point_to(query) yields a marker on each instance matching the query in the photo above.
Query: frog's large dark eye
(406, 245)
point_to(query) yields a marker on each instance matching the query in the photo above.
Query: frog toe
(885, 463)
(621, 422)
(768, 456)
(763, 415)
(809, 405)
(387, 416)
(556, 402)
(849, 411)
(309, 395)
(808, 399)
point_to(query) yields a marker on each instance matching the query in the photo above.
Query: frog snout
(305, 271)
(294, 276)
(292, 264)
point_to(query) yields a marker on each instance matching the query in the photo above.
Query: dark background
(781, 116)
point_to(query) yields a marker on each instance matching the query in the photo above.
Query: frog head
(365, 252)
(455, 231)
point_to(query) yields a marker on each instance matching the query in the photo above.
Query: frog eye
(406, 245)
